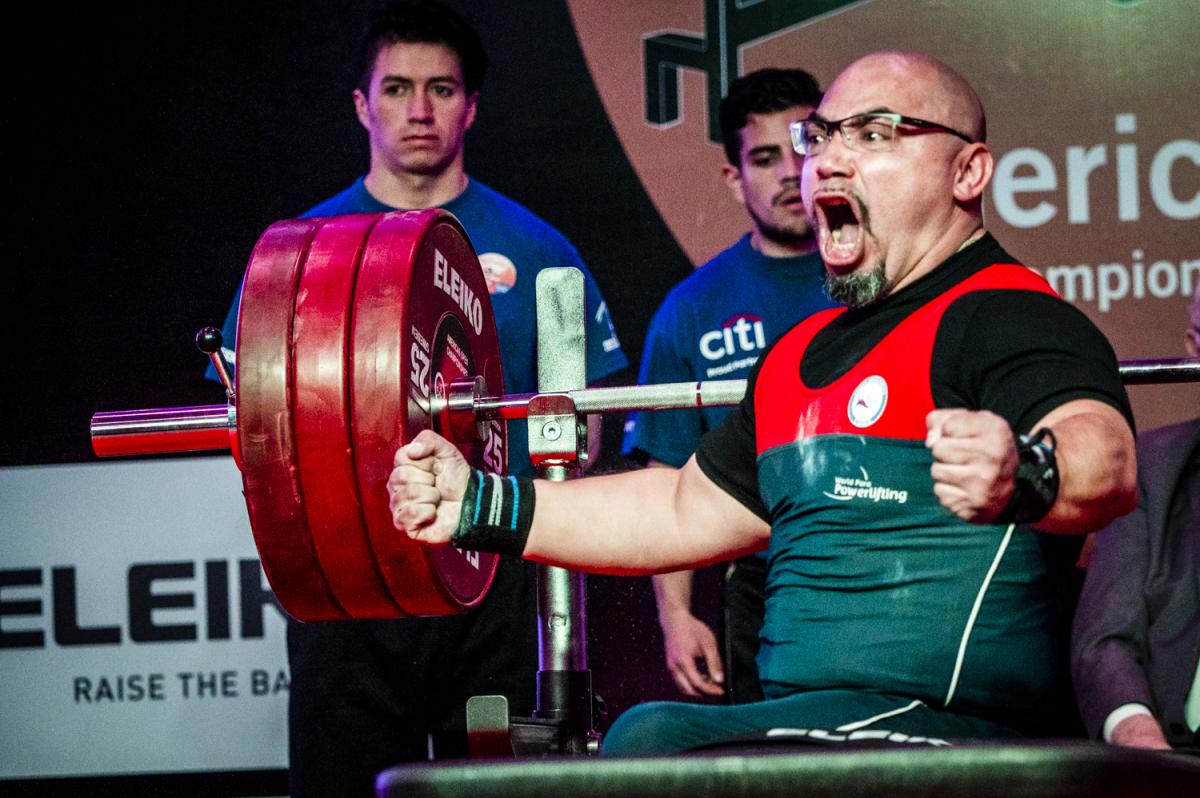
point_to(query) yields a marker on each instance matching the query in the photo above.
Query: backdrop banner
(1091, 121)
(137, 631)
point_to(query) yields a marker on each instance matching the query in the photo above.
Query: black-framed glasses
(871, 132)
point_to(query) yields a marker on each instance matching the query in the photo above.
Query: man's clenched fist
(974, 461)
(426, 487)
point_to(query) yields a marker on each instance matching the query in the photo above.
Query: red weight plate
(422, 317)
(321, 418)
(265, 434)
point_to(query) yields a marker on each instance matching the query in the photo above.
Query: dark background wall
(148, 145)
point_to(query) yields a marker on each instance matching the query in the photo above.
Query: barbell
(354, 334)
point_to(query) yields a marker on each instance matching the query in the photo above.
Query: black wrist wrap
(1035, 484)
(496, 514)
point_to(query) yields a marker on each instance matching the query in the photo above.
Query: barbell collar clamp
(554, 430)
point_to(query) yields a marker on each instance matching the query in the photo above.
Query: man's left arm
(1024, 362)
(975, 461)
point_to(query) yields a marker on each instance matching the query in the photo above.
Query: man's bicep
(728, 457)
(706, 509)
(1097, 466)
(1087, 430)
(1101, 419)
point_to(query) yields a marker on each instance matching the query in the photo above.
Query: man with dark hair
(713, 325)
(422, 23)
(366, 695)
(917, 464)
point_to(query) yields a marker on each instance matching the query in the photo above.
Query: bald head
(948, 97)
(889, 212)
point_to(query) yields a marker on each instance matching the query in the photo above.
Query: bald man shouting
(915, 463)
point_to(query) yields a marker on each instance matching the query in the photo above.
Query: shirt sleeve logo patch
(602, 317)
(499, 271)
(868, 401)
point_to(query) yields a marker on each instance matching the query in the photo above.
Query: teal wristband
(496, 514)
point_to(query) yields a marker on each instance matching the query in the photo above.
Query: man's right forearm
(641, 522)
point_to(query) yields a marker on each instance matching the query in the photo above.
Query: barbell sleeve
(162, 430)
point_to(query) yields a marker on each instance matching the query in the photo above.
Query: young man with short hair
(366, 695)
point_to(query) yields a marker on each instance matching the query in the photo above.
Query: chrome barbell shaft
(714, 393)
(195, 428)
(1153, 372)
(667, 396)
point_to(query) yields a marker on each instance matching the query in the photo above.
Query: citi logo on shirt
(741, 333)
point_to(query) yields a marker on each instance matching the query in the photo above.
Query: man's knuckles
(960, 423)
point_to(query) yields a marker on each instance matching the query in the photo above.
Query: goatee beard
(858, 290)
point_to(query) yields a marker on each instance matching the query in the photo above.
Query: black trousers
(367, 695)
(745, 581)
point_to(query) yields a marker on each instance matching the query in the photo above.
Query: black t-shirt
(1019, 354)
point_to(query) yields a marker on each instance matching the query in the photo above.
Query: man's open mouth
(840, 229)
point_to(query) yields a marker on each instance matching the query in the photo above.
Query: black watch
(1035, 483)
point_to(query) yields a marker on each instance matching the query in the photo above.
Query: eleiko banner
(137, 631)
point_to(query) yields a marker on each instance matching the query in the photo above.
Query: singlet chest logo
(847, 488)
(868, 401)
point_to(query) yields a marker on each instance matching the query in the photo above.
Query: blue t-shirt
(713, 326)
(514, 245)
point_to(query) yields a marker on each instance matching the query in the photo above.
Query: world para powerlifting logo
(850, 488)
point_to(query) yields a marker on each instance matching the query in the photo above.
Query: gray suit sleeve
(1109, 662)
